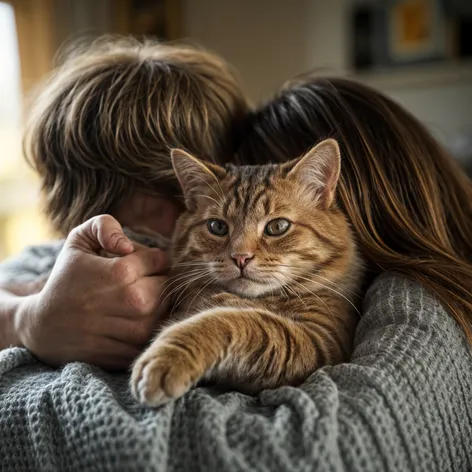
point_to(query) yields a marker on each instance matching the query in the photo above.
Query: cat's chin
(247, 288)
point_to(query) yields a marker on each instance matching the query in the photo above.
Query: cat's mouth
(243, 276)
(245, 287)
(247, 284)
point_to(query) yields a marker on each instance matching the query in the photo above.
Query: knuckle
(136, 299)
(159, 259)
(103, 219)
(123, 272)
(101, 223)
(75, 233)
(96, 223)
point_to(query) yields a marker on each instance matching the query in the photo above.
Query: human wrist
(10, 307)
(22, 320)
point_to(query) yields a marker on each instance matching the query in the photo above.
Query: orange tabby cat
(265, 269)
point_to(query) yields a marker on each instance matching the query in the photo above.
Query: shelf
(414, 76)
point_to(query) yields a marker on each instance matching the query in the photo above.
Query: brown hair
(407, 200)
(104, 122)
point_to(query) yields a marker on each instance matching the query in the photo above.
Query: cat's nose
(242, 260)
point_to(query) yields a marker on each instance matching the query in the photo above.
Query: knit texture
(401, 404)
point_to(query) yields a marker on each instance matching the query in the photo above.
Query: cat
(265, 274)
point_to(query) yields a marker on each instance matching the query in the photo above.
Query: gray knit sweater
(401, 404)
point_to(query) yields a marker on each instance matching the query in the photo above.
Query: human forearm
(13, 295)
(23, 289)
(10, 304)
(13, 298)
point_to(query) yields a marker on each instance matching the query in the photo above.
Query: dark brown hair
(105, 121)
(407, 200)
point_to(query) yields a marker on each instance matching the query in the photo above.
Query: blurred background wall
(417, 51)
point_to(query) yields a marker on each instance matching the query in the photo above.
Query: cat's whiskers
(286, 287)
(184, 286)
(312, 293)
(339, 286)
(171, 280)
(181, 290)
(297, 296)
(183, 280)
(189, 275)
(332, 290)
(214, 279)
(286, 291)
(273, 288)
(167, 291)
(205, 265)
(297, 270)
(186, 264)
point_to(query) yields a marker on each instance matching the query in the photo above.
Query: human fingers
(135, 331)
(101, 232)
(112, 354)
(145, 297)
(109, 255)
(128, 269)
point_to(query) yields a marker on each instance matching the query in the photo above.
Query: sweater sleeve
(31, 263)
(400, 404)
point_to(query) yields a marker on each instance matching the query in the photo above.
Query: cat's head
(255, 229)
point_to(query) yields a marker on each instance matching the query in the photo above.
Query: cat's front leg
(176, 360)
(245, 348)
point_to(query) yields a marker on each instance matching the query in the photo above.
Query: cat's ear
(195, 177)
(318, 171)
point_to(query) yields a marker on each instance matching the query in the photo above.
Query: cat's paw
(163, 373)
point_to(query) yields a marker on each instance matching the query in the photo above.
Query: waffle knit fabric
(401, 404)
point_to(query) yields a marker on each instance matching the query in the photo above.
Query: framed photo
(417, 31)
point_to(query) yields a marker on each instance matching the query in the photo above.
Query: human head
(409, 203)
(103, 125)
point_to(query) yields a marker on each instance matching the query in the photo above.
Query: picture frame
(417, 31)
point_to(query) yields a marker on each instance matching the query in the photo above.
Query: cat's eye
(217, 227)
(277, 227)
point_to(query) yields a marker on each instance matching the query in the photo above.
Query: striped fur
(290, 311)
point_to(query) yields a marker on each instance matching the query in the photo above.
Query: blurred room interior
(417, 51)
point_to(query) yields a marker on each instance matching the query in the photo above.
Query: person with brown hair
(101, 128)
(99, 135)
(408, 201)
(401, 403)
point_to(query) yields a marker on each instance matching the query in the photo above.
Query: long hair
(103, 124)
(408, 201)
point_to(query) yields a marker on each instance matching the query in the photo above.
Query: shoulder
(401, 299)
(398, 311)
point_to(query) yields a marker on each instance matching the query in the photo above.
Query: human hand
(95, 309)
